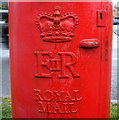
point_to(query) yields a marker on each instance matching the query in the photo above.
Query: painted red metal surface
(60, 59)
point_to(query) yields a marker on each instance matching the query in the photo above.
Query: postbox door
(58, 51)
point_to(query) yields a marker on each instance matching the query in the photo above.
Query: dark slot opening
(101, 17)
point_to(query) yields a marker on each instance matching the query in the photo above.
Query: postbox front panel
(56, 59)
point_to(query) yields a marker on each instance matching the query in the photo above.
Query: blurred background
(4, 55)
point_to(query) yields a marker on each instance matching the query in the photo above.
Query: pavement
(5, 79)
(4, 73)
(115, 65)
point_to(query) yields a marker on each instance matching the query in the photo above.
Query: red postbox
(60, 59)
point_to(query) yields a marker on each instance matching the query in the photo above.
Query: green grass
(114, 110)
(5, 109)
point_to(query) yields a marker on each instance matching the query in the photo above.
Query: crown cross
(57, 27)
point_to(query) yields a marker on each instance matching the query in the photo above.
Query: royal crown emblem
(57, 27)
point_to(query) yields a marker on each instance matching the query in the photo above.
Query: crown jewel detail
(57, 27)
